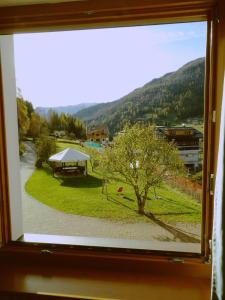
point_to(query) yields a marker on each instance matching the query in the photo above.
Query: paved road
(39, 218)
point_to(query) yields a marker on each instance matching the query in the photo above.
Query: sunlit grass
(83, 196)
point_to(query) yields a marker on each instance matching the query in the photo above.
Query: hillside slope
(169, 99)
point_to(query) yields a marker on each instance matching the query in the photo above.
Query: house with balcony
(188, 140)
(98, 134)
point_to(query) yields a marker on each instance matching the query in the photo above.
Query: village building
(98, 134)
(188, 140)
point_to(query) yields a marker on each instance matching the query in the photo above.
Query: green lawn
(83, 196)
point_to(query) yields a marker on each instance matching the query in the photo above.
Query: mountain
(70, 109)
(170, 99)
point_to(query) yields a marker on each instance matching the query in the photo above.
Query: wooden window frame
(102, 14)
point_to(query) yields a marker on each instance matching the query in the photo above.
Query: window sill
(83, 281)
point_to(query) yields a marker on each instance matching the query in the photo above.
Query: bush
(197, 177)
(45, 147)
(38, 164)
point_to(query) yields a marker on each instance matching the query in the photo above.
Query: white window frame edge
(12, 141)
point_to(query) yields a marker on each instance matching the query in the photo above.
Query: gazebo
(69, 162)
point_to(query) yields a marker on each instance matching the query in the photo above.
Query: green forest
(33, 125)
(169, 100)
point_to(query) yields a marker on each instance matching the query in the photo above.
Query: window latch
(210, 245)
(177, 260)
(211, 184)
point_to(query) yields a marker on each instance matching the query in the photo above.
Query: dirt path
(39, 218)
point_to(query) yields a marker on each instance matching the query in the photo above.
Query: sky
(101, 65)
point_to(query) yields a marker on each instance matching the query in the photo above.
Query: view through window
(111, 133)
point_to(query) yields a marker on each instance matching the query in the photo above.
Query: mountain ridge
(171, 98)
(68, 109)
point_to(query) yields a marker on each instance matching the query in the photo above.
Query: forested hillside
(171, 99)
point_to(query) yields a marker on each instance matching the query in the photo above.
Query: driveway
(41, 219)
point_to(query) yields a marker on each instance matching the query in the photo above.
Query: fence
(185, 185)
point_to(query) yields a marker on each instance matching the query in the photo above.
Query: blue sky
(101, 65)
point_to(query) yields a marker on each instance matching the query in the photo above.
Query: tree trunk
(140, 202)
(141, 207)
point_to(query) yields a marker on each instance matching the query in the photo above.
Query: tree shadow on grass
(82, 182)
(113, 200)
(170, 200)
(177, 233)
(173, 213)
(129, 199)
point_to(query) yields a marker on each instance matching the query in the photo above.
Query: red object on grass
(120, 190)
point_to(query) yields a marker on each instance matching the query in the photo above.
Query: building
(98, 134)
(188, 141)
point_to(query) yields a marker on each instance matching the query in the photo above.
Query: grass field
(83, 196)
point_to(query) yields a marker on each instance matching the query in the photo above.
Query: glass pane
(111, 134)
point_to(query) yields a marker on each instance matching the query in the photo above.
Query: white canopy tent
(70, 155)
